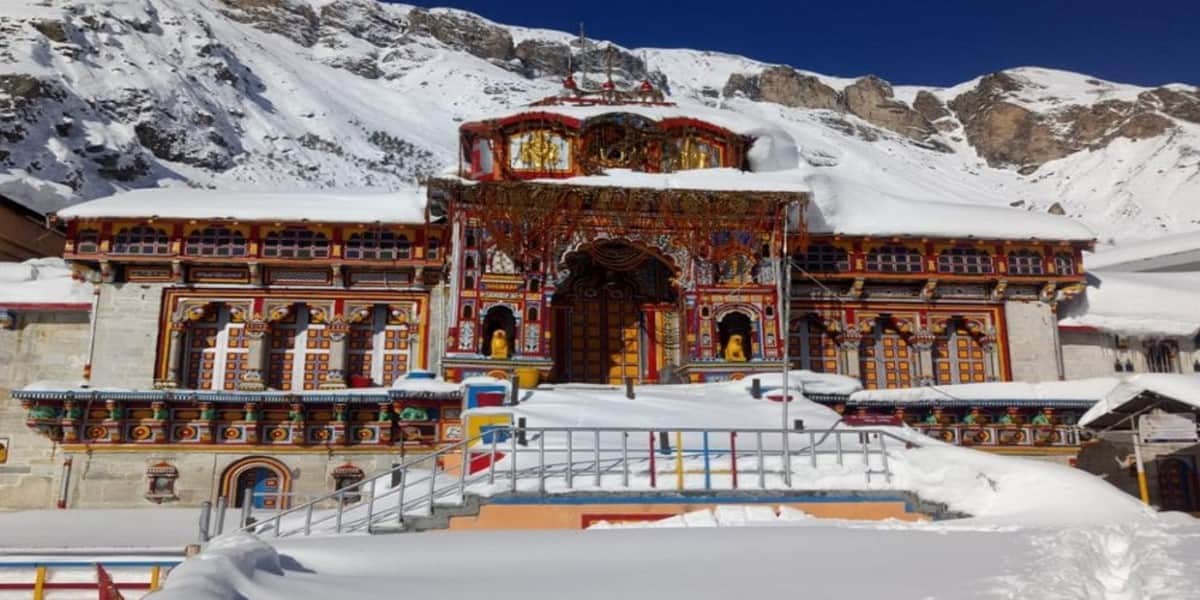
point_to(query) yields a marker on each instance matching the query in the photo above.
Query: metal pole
(308, 518)
(542, 462)
(491, 463)
(341, 512)
(512, 471)
(222, 506)
(205, 518)
(733, 457)
(762, 475)
(1143, 488)
(570, 460)
(596, 455)
(837, 442)
(624, 459)
(464, 467)
(653, 468)
(247, 501)
(707, 470)
(785, 327)
(370, 507)
(887, 471)
(812, 448)
(433, 478)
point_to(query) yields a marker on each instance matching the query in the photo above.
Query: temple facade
(269, 341)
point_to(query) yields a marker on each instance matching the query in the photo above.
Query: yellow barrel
(527, 377)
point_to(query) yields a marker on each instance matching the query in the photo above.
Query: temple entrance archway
(266, 479)
(609, 314)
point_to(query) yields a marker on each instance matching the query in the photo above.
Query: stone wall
(126, 335)
(1095, 353)
(118, 479)
(41, 346)
(1032, 347)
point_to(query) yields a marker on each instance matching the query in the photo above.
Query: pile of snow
(41, 281)
(144, 529)
(1092, 389)
(1138, 304)
(1171, 251)
(401, 206)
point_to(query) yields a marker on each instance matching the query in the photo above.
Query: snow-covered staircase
(428, 491)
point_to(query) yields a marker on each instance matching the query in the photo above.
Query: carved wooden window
(965, 260)
(1161, 357)
(1025, 262)
(885, 359)
(296, 243)
(142, 239)
(378, 245)
(894, 259)
(379, 346)
(215, 241)
(88, 242)
(811, 347)
(217, 351)
(1064, 263)
(823, 258)
(299, 352)
(958, 357)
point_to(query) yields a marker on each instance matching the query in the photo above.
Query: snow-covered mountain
(98, 96)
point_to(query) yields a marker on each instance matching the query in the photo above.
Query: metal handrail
(432, 484)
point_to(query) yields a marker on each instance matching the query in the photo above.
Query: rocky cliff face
(96, 97)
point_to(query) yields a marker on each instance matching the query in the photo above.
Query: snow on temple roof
(1178, 252)
(724, 180)
(1083, 390)
(44, 282)
(727, 119)
(1138, 304)
(846, 207)
(1128, 397)
(402, 206)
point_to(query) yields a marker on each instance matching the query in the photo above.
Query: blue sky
(1148, 42)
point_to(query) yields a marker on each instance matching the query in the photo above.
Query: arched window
(1064, 263)
(499, 318)
(811, 346)
(296, 243)
(142, 239)
(894, 259)
(88, 241)
(378, 245)
(965, 260)
(434, 249)
(823, 258)
(958, 357)
(469, 262)
(885, 358)
(739, 324)
(469, 282)
(532, 314)
(215, 241)
(468, 311)
(1025, 262)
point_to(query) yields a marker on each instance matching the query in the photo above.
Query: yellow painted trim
(155, 575)
(679, 460)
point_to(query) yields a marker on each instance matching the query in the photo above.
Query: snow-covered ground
(41, 281)
(1037, 530)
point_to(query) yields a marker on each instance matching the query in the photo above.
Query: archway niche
(737, 323)
(499, 318)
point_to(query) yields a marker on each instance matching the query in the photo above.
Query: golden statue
(499, 345)
(538, 151)
(734, 352)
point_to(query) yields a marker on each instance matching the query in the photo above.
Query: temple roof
(401, 206)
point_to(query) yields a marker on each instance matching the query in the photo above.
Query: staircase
(428, 491)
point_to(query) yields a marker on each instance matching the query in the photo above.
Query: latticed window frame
(1064, 263)
(1026, 262)
(895, 259)
(964, 260)
(220, 242)
(296, 243)
(823, 258)
(141, 240)
(378, 245)
(88, 241)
